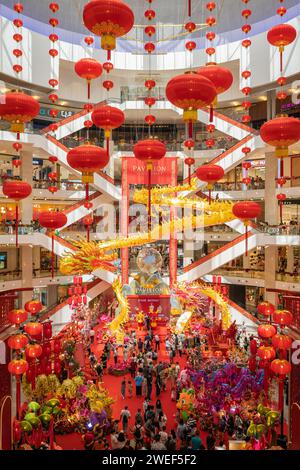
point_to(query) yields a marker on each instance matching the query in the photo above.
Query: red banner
(162, 172)
(144, 302)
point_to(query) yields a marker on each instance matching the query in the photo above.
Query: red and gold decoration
(210, 174)
(52, 221)
(108, 19)
(190, 92)
(246, 73)
(149, 150)
(17, 190)
(246, 211)
(88, 69)
(107, 118)
(18, 38)
(18, 108)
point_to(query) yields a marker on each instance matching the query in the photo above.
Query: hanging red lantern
(210, 35)
(190, 26)
(210, 143)
(19, 341)
(108, 19)
(52, 221)
(108, 67)
(87, 159)
(33, 306)
(108, 85)
(266, 353)
(108, 118)
(189, 161)
(190, 92)
(266, 330)
(89, 40)
(16, 190)
(52, 189)
(16, 162)
(266, 309)
(246, 180)
(18, 37)
(246, 165)
(281, 368)
(33, 329)
(53, 37)
(150, 31)
(150, 101)
(245, 211)
(281, 36)
(210, 174)
(17, 317)
(148, 151)
(282, 342)
(33, 351)
(189, 144)
(211, 21)
(149, 47)
(89, 69)
(221, 77)
(54, 7)
(150, 119)
(190, 45)
(53, 97)
(149, 14)
(52, 176)
(281, 132)
(149, 84)
(18, 108)
(17, 366)
(283, 317)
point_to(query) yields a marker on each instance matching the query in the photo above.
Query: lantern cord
(52, 255)
(209, 195)
(86, 191)
(211, 113)
(281, 167)
(149, 200)
(107, 146)
(18, 396)
(189, 8)
(280, 209)
(281, 61)
(246, 240)
(17, 225)
(89, 89)
(190, 129)
(190, 174)
(88, 233)
(280, 394)
(108, 55)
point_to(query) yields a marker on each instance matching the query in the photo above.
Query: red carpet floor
(113, 385)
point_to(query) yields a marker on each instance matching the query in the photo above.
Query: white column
(290, 259)
(26, 263)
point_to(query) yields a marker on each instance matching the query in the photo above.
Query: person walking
(157, 342)
(125, 417)
(123, 389)
(138, 384)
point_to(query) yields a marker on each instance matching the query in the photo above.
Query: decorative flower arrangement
(121, 368)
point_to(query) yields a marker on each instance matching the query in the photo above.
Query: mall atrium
(150, 225)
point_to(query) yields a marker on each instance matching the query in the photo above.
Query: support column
(272, 218)
(26, 263)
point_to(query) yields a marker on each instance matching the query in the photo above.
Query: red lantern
(150, 101)
(52, 221)
(16, 162)
(17, 316)
(190, 45)
(149, 150)
(108, 85)
(33, 351)
(190, 26)
(16, 190)
(210, 174)
(266, 330)
(221, 78)
(18, 108)
(149, 47)
(19, 341)
(149, 14)
(266, 353)
(266, 309)
(109, 19)
(190, 92)
(150, 119)
(87, 159)
(280, 36)
(89, 40)
(54, 7)
(89, 69)
(57, 346)
(283, 317)
(282, 342)
(245, 211)
(189, 144)
(33, 306)
(281, 368)
(150, 31)
(246, 180)
(108, 118)
(52, 189)
(246, 165)
(108, 67)
(189, 161)
(281, 132)
(149, 84)
(47, 330)
(33, 329)
(253, 347)
(17, 366)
